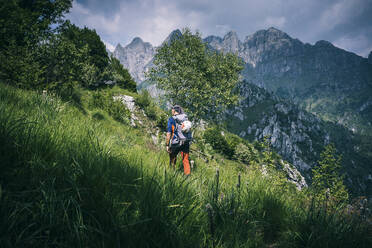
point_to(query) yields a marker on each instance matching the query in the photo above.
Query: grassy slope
(69, 179)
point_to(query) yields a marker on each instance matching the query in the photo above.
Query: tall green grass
(70, 179)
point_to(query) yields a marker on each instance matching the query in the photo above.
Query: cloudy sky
(345, 23)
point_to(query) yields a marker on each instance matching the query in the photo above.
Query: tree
(121, 75)
(24, 25)
(200, 79)
(87, 37)
(327, 178)
(65, 65)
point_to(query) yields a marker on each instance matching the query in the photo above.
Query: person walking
(178, 138)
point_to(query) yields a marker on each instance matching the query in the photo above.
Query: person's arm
(167, 139)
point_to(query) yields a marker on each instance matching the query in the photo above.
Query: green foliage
(35, 56)
(143, 99)
(19, 66)
(200, 80)
(117, 73)
(24, 26)
(162, 120)
(64, 64)
(214, 137)
(327, 179)
(90, 75)
(103, 100)
(246, 153)
(87, 183)
(97, 54)
(98, 100)
(118, 111)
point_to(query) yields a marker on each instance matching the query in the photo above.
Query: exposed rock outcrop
(135, 57)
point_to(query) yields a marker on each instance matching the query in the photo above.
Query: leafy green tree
(87, 37)
(64, 65)
(24, 25)
(199, 79)
(327, 178)
(120, 75)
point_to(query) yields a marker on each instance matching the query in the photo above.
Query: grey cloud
(345, 22)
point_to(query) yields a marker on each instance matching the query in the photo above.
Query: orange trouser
(185, 162)
(185, 157)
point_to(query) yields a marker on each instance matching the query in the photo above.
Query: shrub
(98, 100)
(214, 137)
(118, 111)
(151, 111)
(98, 115)
(161, 121)
(143, 99)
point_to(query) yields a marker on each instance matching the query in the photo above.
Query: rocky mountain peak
(135, 56)
(173, 36)
(323, 43)
(136, 40)
(138, 44)
(370, 58)
(232, 35)
(231, 42)
(267, 35)
(213, 38)
(214, 42)
(118, 47)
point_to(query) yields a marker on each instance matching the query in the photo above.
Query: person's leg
(185, 158)
(173, 157)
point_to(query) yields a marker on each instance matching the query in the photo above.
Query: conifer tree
(327, 178)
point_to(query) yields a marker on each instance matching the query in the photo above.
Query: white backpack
(183, 129)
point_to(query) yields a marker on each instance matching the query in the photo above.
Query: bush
(214, 137)
(151, 111)
(98, 100)
(118, 111)
(115, 109)
(243, 153)
(161, 121)
(143, 99)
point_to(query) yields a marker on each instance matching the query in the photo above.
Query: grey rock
(135, 57)
(129, 102)
(294, 176)
(174, 35)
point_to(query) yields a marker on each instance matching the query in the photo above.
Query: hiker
(179, 138)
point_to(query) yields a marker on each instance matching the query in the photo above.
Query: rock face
(129, 102)
(135, 57)
(289, 129)
(298, 136)
(321, 78)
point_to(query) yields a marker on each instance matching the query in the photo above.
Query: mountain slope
(75, 177)
(135, 56)
(334, 84)
(297, 135)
